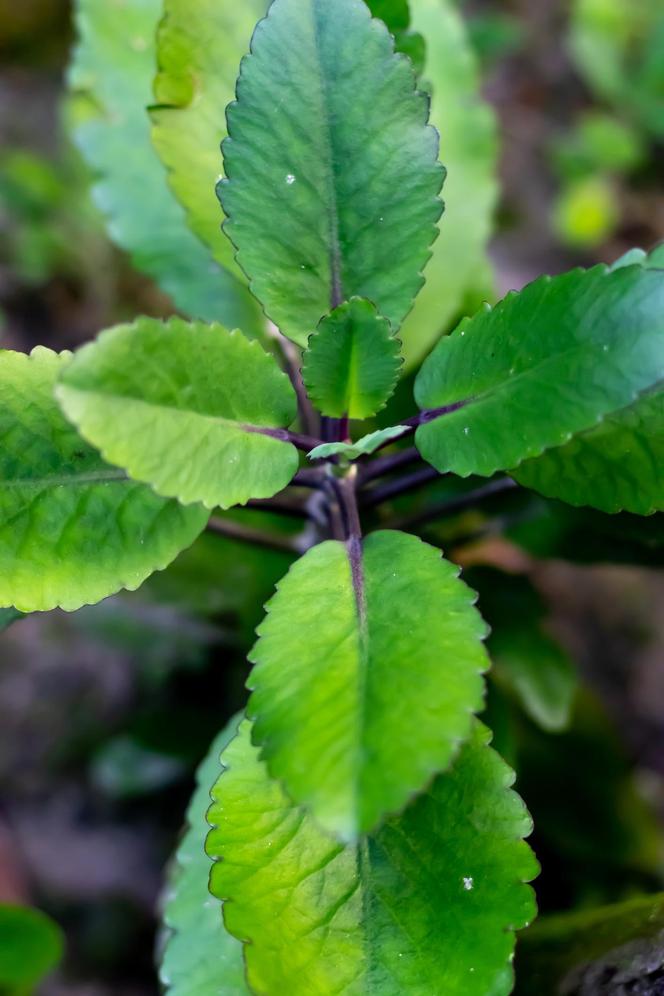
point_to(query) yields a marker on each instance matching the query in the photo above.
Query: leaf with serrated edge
(191, 409)
(199, 957)
(589, 342)
(199, 47)
(469, 149)
(357, 653)
(351, 365)
(72, 529)
(333, 175)
(111, 76)
(427, 904)
(363, 447)
(616, 466)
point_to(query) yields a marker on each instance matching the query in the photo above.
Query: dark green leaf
(189, 408)
(352, 361)
(395, 13)
(428, 904)
(8, 616)
(367, 674)
(111, 75)
(333, 178)
(589, 342)
(31, 945)
(72, 529)
(199, 957)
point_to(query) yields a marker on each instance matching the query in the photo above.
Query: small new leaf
(72, 529)
(352, 362)
(199, 957)
(427, 904)
(367, 674)
(363, 447)
(191, 409)
(590, 342)
(316, 212)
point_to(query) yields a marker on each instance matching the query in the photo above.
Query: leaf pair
(589, 342)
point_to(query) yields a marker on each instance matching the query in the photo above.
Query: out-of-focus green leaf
(31, 945)
(607, 951)
(427, 904)
(335, 706)
(469, 149)
(111, 76)
(189, 408)
(8, 616)
(72, 529)
(199, 957)
(586, 212)
(315, 214)
(352, 361)
(395, 13)
(591, 341)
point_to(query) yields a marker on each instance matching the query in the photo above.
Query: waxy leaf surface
(187, 408)
(332, 173)
(543, 365)
(427, 904)
(199, 958)
(72, 529)
(352, 361)
(111, 76)
(368, 670)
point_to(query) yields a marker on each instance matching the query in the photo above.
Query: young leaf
(31, 945)
(199, 957)
(427, 904)
(469, 149)
(541, 366)
(352, 361)
(363, 447)
(333, 178)
(72, 529)
(111, 76)
(367, 674)
(199, 47)
(191, 409)
(617, 465)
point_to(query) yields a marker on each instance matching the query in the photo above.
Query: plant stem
(291, 361)
(428, 415)
(257, 537)
(392, 489)
(282, 506)
(457, 504)
(387, 464)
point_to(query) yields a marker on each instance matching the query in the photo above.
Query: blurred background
(104, 714)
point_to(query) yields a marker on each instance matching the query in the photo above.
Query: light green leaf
(469, 149)
(616, 466)
(368, 669)
(191, 409)
(72, 529)
(427, 904)
(111, 76)
(615, 949)
(363, 447)
(199, 47)
(199, 957)
(333, 177)
(588, 342)
(31, 945)
(352, 361)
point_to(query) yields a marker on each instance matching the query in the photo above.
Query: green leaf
(111, 76)
(191, 409)
(9, 616)
(394, 13)
(199, 957)
(543, 365)
(367, 673)
(199, 47)
(610, 950)
(616, 466)
(333, 178)
(352, 361)
(72, 529)
(427, 904)
(469, 149)
(31, 945)
(363, 447)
